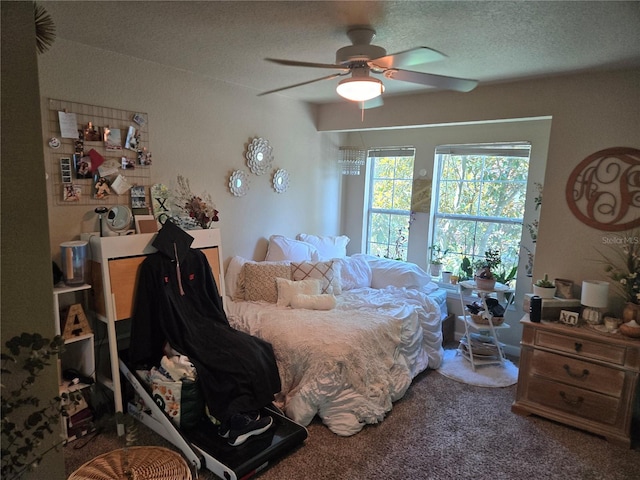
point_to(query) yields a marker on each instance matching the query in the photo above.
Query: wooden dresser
(579, 377)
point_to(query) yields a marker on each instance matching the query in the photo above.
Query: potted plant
(484, 277)
(623, 267)
(437, 256)
(466, 269)
(544, 288)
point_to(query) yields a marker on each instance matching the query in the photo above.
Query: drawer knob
(577, 346)
(574, 403)
(584, 373)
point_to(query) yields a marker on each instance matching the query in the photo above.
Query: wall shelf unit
(78, 354)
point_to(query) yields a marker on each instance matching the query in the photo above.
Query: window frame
(372, 155)
(506, 149)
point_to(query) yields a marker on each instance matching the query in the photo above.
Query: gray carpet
(441, 429)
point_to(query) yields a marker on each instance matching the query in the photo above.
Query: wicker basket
(148, 463)
(480, 320)
(629, 331)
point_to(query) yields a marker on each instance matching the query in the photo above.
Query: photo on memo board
(138, 199)
(71, 192)
(82, 165)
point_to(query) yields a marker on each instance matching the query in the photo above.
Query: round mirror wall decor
(259, 156)
(239, 183)
(281, 180)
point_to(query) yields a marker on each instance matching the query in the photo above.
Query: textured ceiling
(485, 40)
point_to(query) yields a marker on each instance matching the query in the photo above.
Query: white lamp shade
(360, 89)
(595, 294)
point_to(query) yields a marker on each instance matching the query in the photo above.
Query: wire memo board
(69, 187)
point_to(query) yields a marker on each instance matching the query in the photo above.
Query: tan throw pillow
(260, 281)
(324, 271)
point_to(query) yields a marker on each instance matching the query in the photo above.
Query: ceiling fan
(361, 59)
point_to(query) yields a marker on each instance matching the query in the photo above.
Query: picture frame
(146, 224)
(568, 317)
(564, 288)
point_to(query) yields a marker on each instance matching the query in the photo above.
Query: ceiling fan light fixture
(360, 89)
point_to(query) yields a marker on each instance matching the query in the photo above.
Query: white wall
(199, 128)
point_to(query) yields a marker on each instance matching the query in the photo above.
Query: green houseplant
(544, 288)
(437, 256)
(484, 276)
(27, 420)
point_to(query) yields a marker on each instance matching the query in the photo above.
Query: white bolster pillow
(313, 302)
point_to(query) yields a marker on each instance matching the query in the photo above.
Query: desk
(114, 270)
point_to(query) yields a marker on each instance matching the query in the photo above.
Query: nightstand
(579, 377)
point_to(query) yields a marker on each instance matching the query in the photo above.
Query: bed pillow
(386, 272)
(282, 248)
(314, 302)
(234, 277)
(328, 247)
(326, 272)
(287, 289)
(355, 272)
(260, 280)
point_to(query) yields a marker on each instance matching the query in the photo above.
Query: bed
(350, 333)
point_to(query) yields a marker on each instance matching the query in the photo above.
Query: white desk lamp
(594, 298)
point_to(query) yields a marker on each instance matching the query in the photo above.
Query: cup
(446, 277)
(74, 262)
(611, 323)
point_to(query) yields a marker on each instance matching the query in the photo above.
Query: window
(389, 180)
(480, 193)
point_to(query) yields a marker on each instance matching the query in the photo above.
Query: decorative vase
(435, 269)
(630, 312)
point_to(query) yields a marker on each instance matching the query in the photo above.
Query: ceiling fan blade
(328, 77)
(431, 80)
(373, 103)
(296, 63)
(409, 58)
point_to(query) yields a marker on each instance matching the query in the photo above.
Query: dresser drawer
(606, 352)
(575, 401)
(590, 376)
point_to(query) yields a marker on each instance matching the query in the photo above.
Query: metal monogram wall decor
(603, 191)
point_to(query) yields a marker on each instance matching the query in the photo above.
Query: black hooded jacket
(177, 301)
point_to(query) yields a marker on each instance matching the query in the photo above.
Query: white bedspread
(347, 364)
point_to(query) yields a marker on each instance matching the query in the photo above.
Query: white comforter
(347, 364)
